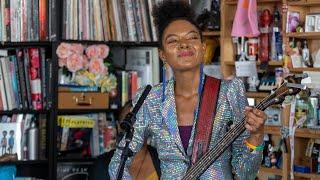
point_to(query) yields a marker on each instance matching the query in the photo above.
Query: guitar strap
(206, 116)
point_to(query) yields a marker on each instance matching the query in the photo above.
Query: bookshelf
(47, 168)
(270, 63)
(228, 9)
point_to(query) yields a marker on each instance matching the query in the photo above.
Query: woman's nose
(183, 44)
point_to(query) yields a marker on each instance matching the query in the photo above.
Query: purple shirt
(185, 134)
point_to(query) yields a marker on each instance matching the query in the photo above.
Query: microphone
(130, 118)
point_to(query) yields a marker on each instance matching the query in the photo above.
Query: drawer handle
(82, 101)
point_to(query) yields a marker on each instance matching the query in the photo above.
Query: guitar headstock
(291, 86)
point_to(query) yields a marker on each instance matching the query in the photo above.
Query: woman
(168, 115)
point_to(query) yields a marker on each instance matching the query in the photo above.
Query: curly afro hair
(168, 11)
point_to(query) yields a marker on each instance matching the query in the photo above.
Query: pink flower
(104, 51)
(93, 51)
(77, 48)
(75, 62)
(97, 67)
(63, 50)
(62, 62)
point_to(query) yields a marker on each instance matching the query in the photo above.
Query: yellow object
(153, 176)
(211, 45)
(75, 122)
(253, 147)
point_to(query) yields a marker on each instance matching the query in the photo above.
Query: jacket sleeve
(245, 164)
(140, 132)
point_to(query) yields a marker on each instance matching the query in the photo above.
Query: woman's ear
(162, 55)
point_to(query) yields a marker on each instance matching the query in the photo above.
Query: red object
(206, 116)
(265, 21)
(35, 79)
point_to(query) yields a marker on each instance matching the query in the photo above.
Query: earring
(164, 72)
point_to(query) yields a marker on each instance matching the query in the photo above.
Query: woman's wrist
(255, 139)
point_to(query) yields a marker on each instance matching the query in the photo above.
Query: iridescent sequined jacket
(158, 120)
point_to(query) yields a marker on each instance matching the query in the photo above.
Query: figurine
(265, 21)
(273, 160)
(253, 82)
(305, 55)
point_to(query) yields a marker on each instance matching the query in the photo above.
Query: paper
(246, 68)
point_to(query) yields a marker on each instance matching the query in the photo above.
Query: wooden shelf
(62, 160)
(307, 175)
(113, 43)
(24, 112)
(271, 63)
(84, 111)
(258, 1)
(27, 163)
(211, 33)
(271, 170)
(303, 3)
(257, 94)
(26, 43)
(304, 35)
(300, 132)
(299, 70)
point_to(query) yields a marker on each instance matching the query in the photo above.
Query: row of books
(27, 20)
(25, 79)
(115, 20)
(142, 67)
(86, 135)
(16, 135)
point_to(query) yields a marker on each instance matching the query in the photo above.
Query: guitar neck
(213, 154)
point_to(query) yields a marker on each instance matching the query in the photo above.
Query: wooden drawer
(83, 100)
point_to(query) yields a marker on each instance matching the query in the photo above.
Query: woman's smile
(185, 54)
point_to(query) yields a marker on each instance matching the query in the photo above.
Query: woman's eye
(193, 37)
(172, 41)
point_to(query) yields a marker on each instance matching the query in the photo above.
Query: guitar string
(206, 160)
(238, 131)
(239, 127)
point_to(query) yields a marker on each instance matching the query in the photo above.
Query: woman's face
(182, 46)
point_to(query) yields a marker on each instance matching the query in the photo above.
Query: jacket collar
(169, 114)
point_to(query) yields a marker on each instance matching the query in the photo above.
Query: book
(10, 138)
(73, 171)
(75, 134)
(293, 19)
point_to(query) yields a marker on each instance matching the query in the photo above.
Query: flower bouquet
(85, 66)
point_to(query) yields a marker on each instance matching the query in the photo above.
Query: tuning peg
(299, 86)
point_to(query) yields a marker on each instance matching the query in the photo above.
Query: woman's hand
(255, 124)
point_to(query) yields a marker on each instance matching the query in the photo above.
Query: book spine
(1, 12)
(8, 88)
(2, 87)
(42, 20)
(18, 19)
(15, 82)
(27, 77)
(43, 77)
(19, 54)
(35, 79)
(42, 136)
(29, 19)
(7, 20)
(35, 20)
(24, 31)
(49, 83)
